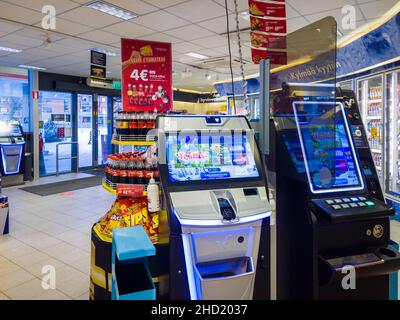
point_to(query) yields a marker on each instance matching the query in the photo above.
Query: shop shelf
(130, 140)
(374, 117)
(376, 150)
(375, 101)
(112, 187)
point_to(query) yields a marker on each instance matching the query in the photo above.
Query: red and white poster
(269, 28)
(261, 40)
(268, 25)
(275, 9)
(146, 75)
(275, 57)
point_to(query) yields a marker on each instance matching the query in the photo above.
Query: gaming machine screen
(205, 156)
(331, 162)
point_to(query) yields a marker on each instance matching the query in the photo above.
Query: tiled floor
(52, 230)
(55, 231)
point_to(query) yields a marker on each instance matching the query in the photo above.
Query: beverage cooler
(379, 98)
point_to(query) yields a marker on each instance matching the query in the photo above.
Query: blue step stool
(131, 278)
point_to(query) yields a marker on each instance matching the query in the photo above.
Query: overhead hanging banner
(273, 9)
(268, 31)
(146, 75)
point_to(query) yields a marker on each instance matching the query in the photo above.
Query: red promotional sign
(146, 75)
(267, 25)
(275, 57)
(266, 9)
(129, 190)
(260, 40)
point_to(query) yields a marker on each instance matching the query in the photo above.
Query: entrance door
(94, 129)
(55, 127)
(85, 130)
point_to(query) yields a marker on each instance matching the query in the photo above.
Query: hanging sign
(269, 28)
(275, 57)
(267, 9)
(146, 75)
(261, 40)
(268, 25)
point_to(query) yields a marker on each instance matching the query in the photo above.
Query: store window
(14, 96)
(55, 126)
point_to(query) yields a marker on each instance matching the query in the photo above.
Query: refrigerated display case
(370, 97)
(392, 172)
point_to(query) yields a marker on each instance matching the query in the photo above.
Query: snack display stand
(127, 175)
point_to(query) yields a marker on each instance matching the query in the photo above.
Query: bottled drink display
(131, 168)
(135, 123)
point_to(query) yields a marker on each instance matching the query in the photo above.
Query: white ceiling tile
(89, 17)
(377, 8)
(185, 47)
(62, 49)
(190, 32)
(19, 14)
(74, 43)
(37, 5)
(197, 10)
(211, 42)
(43, 52)
(161, 37)
(296, 23)
(68, 27)
(218, 25)
(8, 27)
(315, 6)
(100, 36)
(337, 14)
(243, 5)
(128, 29)
(136, 6)
(38, 34)
(161, 21)
(164, 3)
(20, 42)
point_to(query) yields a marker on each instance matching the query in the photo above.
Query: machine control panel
(344, 208)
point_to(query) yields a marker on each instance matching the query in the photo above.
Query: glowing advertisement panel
(330, 159)
(209, 156)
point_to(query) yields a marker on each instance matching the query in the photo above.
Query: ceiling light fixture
(112, 10)
(196, 55)
(31, 67)
(10, 49)
(108, 53)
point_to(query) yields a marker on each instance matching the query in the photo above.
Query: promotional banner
(268, 25)
(146, 75)
(267, 9)
(260, 40)
(269, 28)
(275, 57)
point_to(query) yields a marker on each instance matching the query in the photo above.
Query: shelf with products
(376, 151)
(377, 117)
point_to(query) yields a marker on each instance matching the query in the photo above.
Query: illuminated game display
(331, 161)
(206, 157)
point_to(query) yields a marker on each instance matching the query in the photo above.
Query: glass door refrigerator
(392, 136)
(370, 97)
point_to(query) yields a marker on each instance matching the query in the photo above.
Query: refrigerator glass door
(392, 181)
(370, 97)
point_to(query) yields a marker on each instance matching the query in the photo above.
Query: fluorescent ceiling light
(196, 55)
(10, 50)
(31, 67)
(112, 10)
(109, 53)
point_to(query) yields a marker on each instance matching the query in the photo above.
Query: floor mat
(95, 171)
(64, 186)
